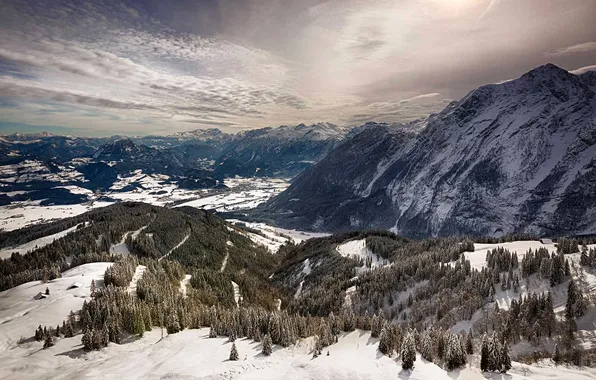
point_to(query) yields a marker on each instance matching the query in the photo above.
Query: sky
(138, 67)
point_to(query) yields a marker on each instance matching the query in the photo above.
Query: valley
(379, 251)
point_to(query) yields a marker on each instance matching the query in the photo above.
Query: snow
(132, 287)
(20, 314)
(184, 284)
(274, 237)
(121, 248)
(190, 354)
(246, 193)
(23, 214)
(356, 249)
(176, 246)
(37, 243)
(237, 295)
(225, 260)
(478, 257)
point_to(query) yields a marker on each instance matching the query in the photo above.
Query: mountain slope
(517, 156)
(279, 152)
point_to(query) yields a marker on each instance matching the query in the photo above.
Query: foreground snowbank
(190, 354)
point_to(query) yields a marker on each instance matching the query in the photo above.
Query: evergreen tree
(212, 333)
(39, 334)
(47, 291)
(454, 355)
(469, 343)
(234, 352)
(267, 345)
(68, 332)
(484, 361)
(557, 355)
(505, 359)
(427, 348)
(87, 340)
(385, 340)
(408, 352)
(48, 342)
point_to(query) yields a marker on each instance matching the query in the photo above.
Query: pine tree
(234, 352)
(484, 354)
(427, 348)
(325, 336)
(57, 331)
(469, 343)
(572, 296)
(47, 291)
(408, 352)
(232, 335)
(212, 333)
(49, 341)
(454, 355)
(267, 345)
(87, 340)
(557, 355)
(385, 340)
(69, 332)
(505, 359)
(39, 334)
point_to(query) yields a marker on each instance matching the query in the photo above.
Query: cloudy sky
(154, 66)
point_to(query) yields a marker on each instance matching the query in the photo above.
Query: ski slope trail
(132, 287)
(184, 284)
(121, 247)
(175, 247)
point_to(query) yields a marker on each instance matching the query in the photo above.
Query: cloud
(143, 66)
(582, 70)
(574, 49)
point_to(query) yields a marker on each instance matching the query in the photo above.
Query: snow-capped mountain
(283, 151)
(516, 156)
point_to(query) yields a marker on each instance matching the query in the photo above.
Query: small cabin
(546, 241)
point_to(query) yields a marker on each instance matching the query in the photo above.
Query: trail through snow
(184, 284)
(177, 245)
(132, 287)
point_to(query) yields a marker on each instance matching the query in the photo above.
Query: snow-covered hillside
(191, 354)
(21, 312)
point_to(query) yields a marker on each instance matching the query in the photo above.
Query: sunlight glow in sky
(138, 67)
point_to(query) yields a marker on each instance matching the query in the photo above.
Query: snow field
(37, 243)
(20, 313)
(190, 354)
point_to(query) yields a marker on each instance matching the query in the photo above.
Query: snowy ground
(23, 214)
(245, 193)
(21, 313)
(34, 244)
(190, 354)
(274, 237)
(478, 257)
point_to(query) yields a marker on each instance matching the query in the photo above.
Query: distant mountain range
(193, 160)
(513, 157)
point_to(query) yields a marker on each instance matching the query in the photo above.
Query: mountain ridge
(500, 160)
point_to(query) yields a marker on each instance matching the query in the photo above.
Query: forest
(410, 302)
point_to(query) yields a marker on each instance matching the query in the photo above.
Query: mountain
(512, 157)
(126, 156)
(279, 152)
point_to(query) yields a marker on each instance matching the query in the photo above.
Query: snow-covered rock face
(517, 156)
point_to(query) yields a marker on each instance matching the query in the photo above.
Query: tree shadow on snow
(73, 354)
(372, 340)
(496, 376)
(405, 374)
